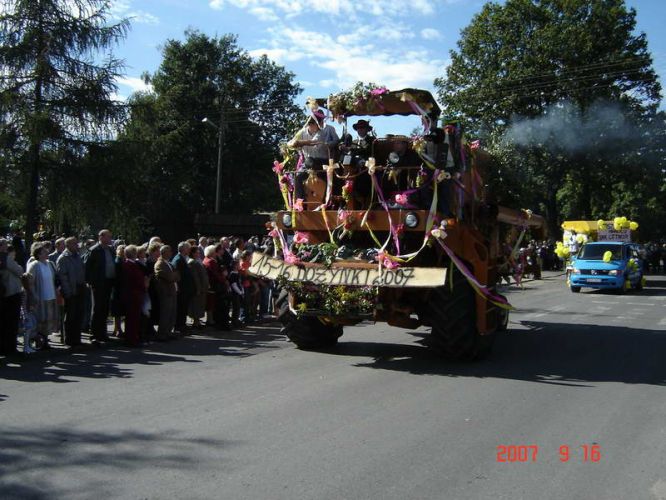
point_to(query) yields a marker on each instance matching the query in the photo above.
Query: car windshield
(596, 252)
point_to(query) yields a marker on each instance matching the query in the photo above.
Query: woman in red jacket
(217, 278)
(133, 296)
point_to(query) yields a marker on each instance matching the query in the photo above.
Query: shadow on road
(550, 353)
(36, 463)
(117, 361)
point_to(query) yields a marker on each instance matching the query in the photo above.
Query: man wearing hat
(365, 138)
(316, 141)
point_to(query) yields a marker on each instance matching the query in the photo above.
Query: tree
(173, 154)
(56, 91)
(554, 63)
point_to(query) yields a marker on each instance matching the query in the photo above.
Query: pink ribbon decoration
(480, 289)
(427, 122)
(380, 195)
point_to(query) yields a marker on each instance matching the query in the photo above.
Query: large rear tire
(452, 314)
(307, 332)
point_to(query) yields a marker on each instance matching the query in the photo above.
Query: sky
(330, 44)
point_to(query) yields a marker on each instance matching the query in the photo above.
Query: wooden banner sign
(403, 277)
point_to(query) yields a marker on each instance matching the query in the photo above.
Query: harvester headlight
(411, 220)
(394, 157)
(286, 220)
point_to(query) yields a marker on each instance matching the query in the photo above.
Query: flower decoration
(419, 145)
(607, 256)
(278, 167)
(401, 199)
(385, 260)
(399, 229)
(438, 233)
(443, 176)
(298, 205)
(390, 264)
(301, 238)
(291, 258)
(370, 164)
(347, 190)
(601, 224)
(343, 215)
(274, 233)
(361, 95)
(474, 145)
(633, 226)
(312, 104)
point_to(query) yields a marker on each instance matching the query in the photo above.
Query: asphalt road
(244, 415)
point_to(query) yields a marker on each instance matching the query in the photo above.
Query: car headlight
(575, 270)
(411, 220)
(615, 272)
(286, 219)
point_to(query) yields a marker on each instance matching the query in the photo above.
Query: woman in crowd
(133, 295)
(200, 277)
(43, 293)
(10, 312)
(117, 306)
(219, 284)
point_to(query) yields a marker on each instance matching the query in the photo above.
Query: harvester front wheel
(307, 332)
(452, 314)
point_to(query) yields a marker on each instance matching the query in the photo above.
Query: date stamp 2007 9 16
(530, 452)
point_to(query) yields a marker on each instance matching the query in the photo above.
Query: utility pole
(220, 144)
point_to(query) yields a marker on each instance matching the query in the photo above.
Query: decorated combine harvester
(395, 229)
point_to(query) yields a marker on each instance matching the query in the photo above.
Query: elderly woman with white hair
(42, 298)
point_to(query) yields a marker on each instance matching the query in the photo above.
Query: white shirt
(327, 134)
(46, 286)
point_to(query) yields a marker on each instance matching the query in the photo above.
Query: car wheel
(575, 289)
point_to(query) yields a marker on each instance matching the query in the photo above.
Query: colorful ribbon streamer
(480, 289)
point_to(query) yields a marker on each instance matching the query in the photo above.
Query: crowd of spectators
(150, 290)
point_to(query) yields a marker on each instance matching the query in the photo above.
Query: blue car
(589, 269)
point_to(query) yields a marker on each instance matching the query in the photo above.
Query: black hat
(362, 123)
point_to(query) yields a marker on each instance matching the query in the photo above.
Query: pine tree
(57, 84)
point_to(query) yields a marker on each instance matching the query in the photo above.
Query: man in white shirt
(317, 142)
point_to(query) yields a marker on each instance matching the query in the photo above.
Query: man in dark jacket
(101, 275)
(185, 285)
(71, 272)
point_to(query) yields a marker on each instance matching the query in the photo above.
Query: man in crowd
(185, 285)
(59, 248)
(71, 273)
(100, 275)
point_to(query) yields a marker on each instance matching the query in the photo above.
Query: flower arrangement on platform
(368, 95)
(348, 301)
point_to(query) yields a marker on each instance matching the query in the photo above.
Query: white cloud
(353, 57)
(430, 34)
(278, 55)
(264, 13)
(347, 8)
(134, 84)
(123, 8)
